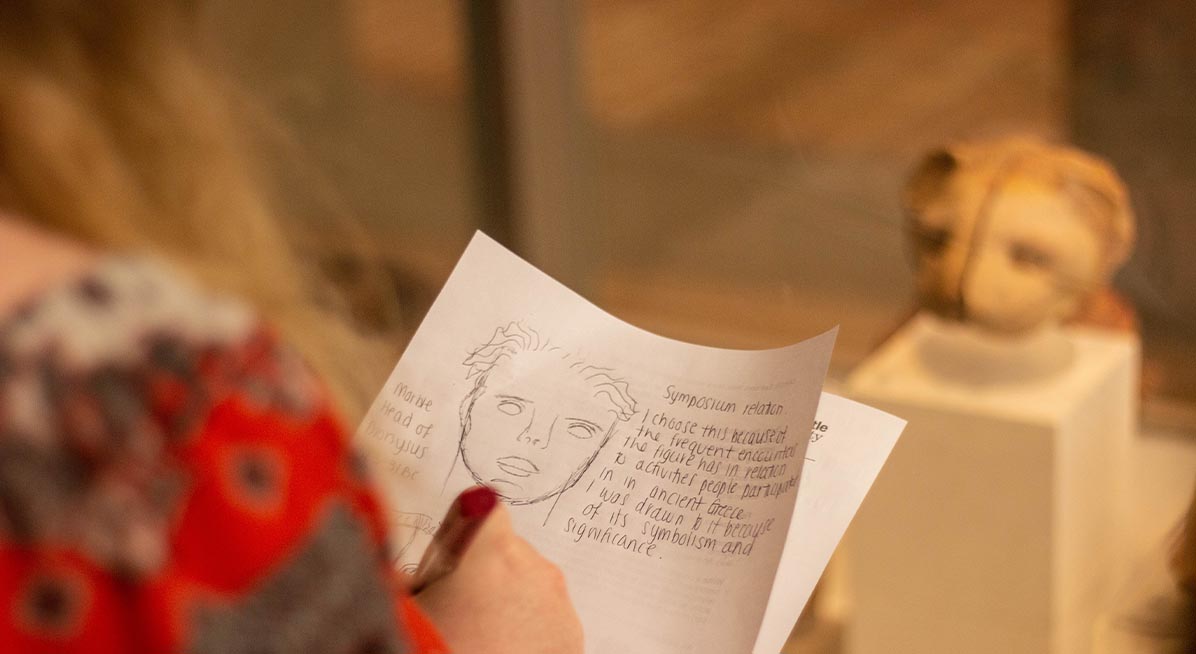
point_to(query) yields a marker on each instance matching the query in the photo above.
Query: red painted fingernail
(477, 502)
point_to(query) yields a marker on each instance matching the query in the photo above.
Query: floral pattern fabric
(173, 479)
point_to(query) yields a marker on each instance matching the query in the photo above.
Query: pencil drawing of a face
(537, 415)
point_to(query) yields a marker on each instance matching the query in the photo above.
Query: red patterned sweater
(172, 479)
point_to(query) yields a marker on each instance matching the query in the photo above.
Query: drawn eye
(510, 407)
(582, 430)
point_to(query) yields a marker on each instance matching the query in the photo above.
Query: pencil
(452, 539)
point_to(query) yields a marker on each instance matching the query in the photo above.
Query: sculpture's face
(1010, 259)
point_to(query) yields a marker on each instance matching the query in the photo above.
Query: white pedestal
(992, 526)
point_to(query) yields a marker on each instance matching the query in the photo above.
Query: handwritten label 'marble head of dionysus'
(537, 415)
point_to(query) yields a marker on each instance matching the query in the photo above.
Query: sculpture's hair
(515, 338)
(115, 133)
(1091, 184)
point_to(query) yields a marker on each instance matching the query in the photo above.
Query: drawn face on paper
(535, 421)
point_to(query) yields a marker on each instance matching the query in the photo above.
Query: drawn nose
(536, 435)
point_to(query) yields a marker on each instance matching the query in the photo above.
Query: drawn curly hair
(515, 338)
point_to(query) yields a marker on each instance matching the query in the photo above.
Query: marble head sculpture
(1013, 235)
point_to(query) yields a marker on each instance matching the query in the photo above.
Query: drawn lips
(517, 466)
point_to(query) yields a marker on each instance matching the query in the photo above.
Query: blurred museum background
(730, 173)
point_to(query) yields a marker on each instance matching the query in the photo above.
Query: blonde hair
(113, 131)
(1183, 559)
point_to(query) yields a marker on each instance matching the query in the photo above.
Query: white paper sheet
(848, 446)
(660, 476)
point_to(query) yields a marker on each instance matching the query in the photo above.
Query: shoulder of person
(106, 372)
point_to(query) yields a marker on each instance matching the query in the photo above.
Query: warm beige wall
(746, 157)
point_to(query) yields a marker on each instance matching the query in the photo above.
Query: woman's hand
(503, 597)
